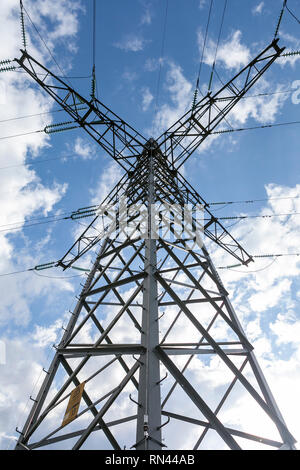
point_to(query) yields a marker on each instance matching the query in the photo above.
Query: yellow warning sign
(73, 405)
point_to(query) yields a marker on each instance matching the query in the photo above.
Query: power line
(275, 256)
(94, 32)
(292, 14)
(17, 118)
(162, 53)
(217, 47)
(252, 271)
(36, 219)
(46, 266)
(37, 162)
(267, 216)
(20, 135)
(265, 126)
(94, 90)
(89, 211)
(7, 137)
(268, 94)
(204, 43)
(224, 131)
(57, 277)
(80, 214)
(23, 226)
(58, 76)
(251, 201)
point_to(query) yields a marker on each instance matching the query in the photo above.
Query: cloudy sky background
(260, 164)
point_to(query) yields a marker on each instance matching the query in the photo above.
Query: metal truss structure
(153, 327)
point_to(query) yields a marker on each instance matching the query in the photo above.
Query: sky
(147, 62)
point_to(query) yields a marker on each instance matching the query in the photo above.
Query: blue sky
(258, 164)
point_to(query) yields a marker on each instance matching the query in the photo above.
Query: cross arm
(121, 141)
(185, 135)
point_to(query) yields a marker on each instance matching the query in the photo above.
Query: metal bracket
(164, 424)
(150, 439)
(160, 316)
(137, 403)
(137, 360)
(161, 380)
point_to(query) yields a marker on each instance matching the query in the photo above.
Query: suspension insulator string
(23, 30)
(289, 54)
(280, 19)
(53, 128)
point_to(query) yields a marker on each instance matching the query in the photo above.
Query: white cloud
(21, 372)
(147, 98)
(23, 194)
(131, 43)
(287, 329)
(232, 54)
(46, 336)
(109, 178)
(146, 16)
(83, 148)
(263, 300)
(152, 64)
(180, 93)
(257, 10)
(130, 75)
(264, 109)
(62, 20)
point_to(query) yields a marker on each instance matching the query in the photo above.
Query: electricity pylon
(153, 322)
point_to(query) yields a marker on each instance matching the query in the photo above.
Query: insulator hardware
(93, 84)
(40, 267)
(8, 69)
(280, 19)
(195, 99)
(81, 214)
(53, 128)
(23, 31)
(4, 62)
(288, 54)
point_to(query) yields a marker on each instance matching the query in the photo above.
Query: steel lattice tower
(153, 316)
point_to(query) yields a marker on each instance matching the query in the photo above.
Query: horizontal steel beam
(233, 432)
(178, 351)
(71, 435)
(103, 350)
